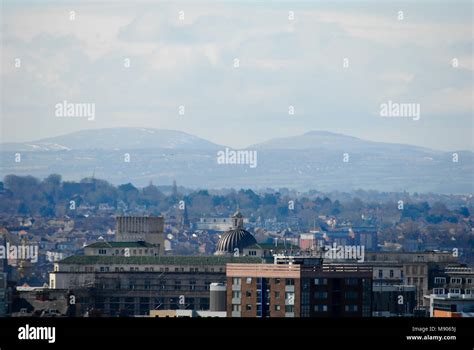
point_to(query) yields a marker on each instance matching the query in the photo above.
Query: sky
(334, 62)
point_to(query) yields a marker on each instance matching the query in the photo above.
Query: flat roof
(158, 260)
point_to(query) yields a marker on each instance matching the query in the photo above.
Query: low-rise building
(134, 285)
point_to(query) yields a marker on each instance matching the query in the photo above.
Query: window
(248, 307)
(438, 291)
(177, 285)
(351, 295)
(102, 251)
(192, 285)
(320, 308)
(415, 280)
(248, 280)
(454, 290)
(380, 274)
(414, 270)
(456, 280)
(252, 252)
(277, 295)
(147, 284)
(289, 308)
(236, 307)
(352, 281)
(468, 291)
(320, 295)
(277, 281)
(391, 273)
(248, 293)
(409, 280)
(277, 307)
(236, 295)
(289, 282)
(469, 281)
(440, 280)
(320, 281)
(236, 281)
(351, 308)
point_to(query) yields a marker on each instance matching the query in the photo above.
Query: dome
(235, 238)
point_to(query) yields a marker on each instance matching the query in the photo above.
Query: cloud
(190, 62)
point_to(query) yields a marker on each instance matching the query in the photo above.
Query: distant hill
(325, 140)
(114, 139)
(313, 160)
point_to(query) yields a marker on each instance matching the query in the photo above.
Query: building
(122, 249)
(235, 240)
(268, 250)
(454, 281)
(214, 224)
(148, 229)
(301, 288)
(134, 285)
(393, 300)
(417, 267)
(186, 313)
(366, 236)
(450, 305)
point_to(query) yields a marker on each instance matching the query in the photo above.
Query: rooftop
(158, 260)
(140, 244)
(273, 246)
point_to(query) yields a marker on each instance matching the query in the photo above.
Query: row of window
(291, 308)
(348, 295)
(416, 270)
(415, 280)
(391, 274)
(145, 269)
(453, 280)
(442, 291)
(249, 307)
(291, 281)
(248, 294)
(237, 281)
(131, 251)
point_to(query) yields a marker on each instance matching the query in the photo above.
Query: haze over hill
(115, 139)
(315, 160)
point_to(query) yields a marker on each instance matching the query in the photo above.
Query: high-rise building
(298, 289)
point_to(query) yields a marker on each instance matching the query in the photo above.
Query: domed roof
(235, 238)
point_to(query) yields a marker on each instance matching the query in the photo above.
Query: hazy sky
(283, 63)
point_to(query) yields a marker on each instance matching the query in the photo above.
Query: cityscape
(248, 170)
(162, 251)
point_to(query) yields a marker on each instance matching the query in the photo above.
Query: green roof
(158, 260)
(120, 245)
